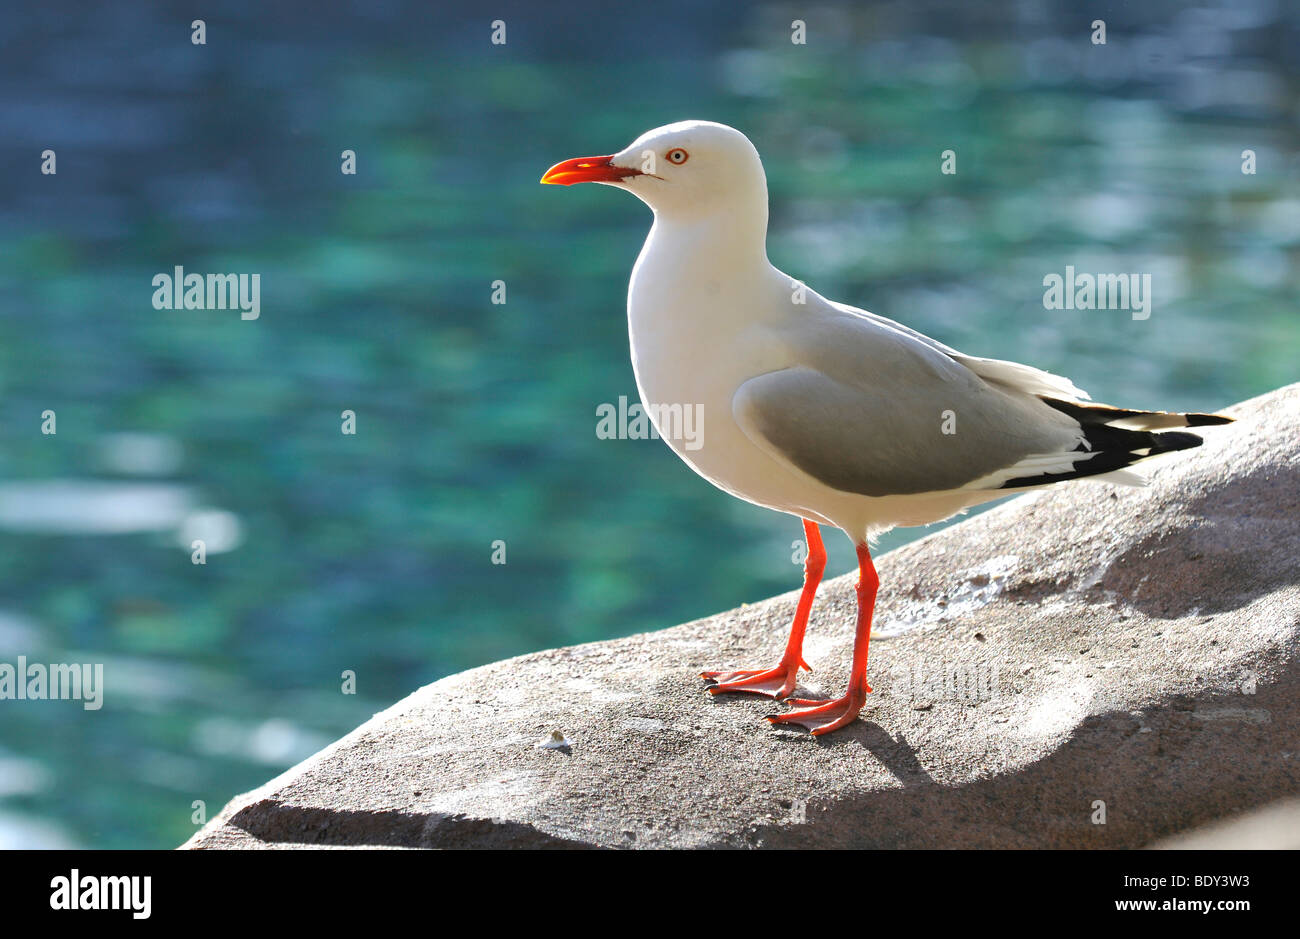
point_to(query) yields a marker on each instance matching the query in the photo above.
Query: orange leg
(780, 681)
(821, 717)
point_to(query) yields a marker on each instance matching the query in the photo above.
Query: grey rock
(1091, 666)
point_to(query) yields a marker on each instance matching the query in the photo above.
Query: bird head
(687, 167)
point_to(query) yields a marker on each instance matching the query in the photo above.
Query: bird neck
(733, 238)
(700, 276)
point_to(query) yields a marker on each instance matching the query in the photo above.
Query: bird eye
(678, 156)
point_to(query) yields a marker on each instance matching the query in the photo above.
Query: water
(371, 553)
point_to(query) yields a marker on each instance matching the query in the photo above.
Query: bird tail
(1116, 438)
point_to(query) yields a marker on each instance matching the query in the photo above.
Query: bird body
(737, 370)
(822, 410)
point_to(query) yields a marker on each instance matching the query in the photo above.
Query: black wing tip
(1171, 440)
(1110, 448)
(1120, 457)
(1092, 414)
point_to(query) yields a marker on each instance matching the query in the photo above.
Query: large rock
(1093, 666)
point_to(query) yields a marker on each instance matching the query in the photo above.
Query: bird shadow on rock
(894, 753)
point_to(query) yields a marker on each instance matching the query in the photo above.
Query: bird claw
(775, 682)
(821, 717)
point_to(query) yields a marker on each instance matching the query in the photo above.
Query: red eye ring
(677, 156)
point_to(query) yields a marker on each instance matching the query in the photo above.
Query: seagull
(819, 409)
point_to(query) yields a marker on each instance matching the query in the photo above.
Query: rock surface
(1093, 666)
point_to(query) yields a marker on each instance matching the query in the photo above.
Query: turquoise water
(372, 553)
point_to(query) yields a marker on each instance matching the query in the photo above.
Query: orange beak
(595, 169)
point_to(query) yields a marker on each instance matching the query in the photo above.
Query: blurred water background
(476, 422)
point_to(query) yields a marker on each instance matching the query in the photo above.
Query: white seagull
(822, 410)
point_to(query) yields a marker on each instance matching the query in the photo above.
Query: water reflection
(92, 507)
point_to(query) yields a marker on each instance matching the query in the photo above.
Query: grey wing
(1012, 375)
(870, 410)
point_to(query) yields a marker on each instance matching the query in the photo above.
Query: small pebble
(556, 741)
